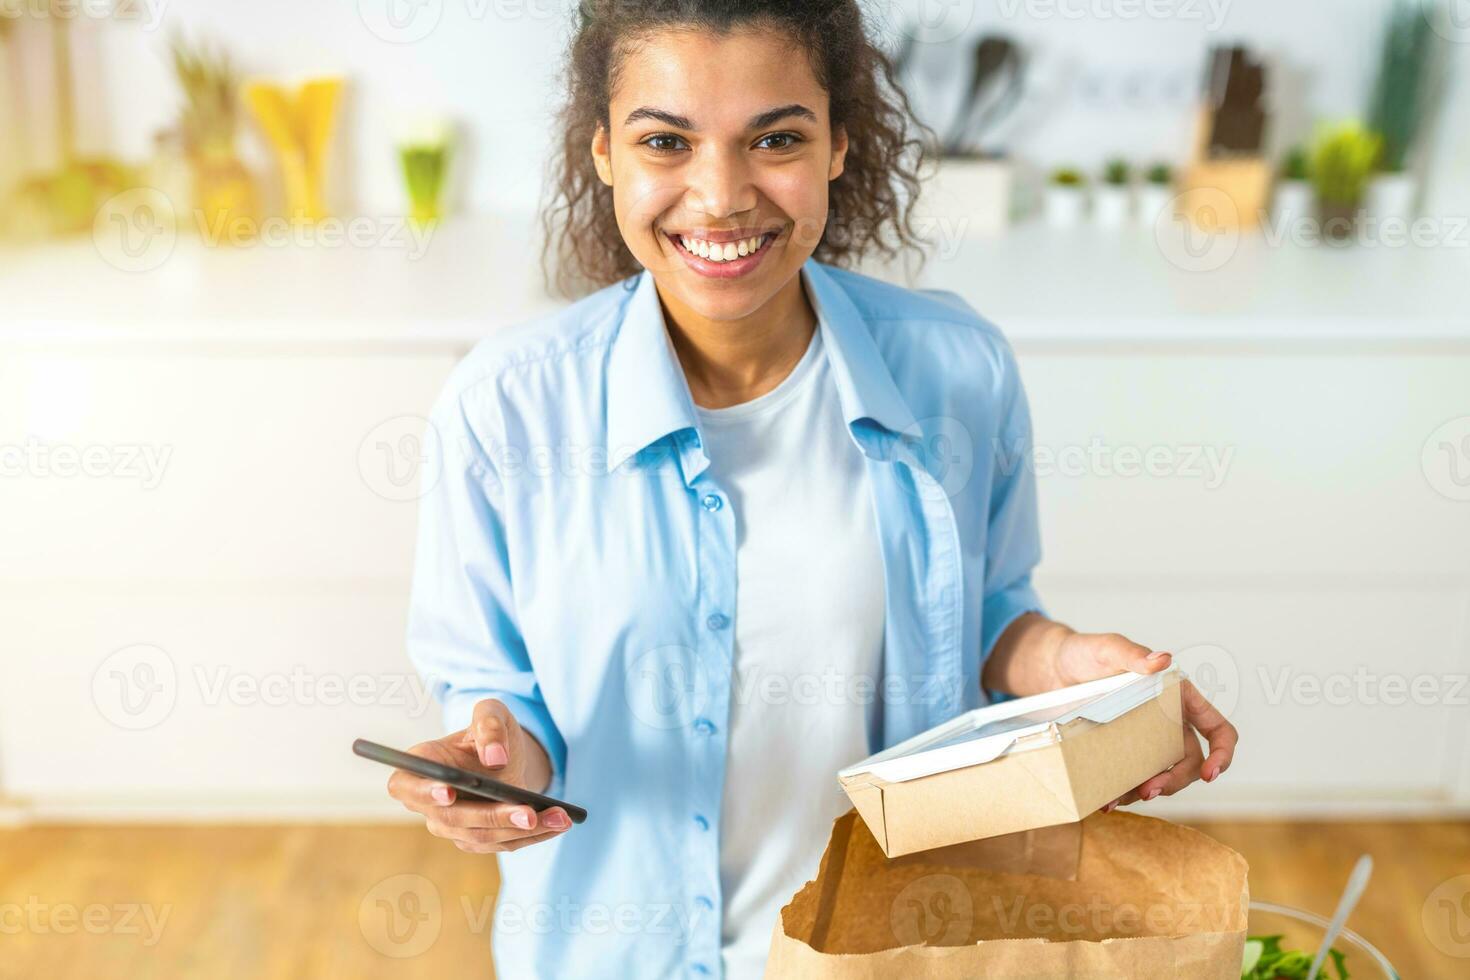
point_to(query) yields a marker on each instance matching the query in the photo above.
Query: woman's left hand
(1085, 657)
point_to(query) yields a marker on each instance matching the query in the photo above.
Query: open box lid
(988, 733)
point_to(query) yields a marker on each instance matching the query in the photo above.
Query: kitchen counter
(1082, 286)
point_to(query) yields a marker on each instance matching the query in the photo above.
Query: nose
(719, 182)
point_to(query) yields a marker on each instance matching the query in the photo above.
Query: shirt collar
(648, 396)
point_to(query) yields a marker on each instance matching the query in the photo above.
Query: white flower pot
(973, 197)
(1064, 205)
(1391, 196)
(1152, 200)
(1295, 201)
(1111, 205)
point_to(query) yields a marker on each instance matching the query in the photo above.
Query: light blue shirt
(576, 560)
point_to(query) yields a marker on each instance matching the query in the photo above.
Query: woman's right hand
(493, 744)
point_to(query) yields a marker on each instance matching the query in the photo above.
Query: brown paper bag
(1151, 900)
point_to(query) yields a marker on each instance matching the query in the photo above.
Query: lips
(734, 268)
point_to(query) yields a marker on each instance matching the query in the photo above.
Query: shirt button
(717, 621)
(700, 822)
(704, 726)
(704, 903)
(712, 503)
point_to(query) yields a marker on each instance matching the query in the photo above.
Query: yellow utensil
(298, 125)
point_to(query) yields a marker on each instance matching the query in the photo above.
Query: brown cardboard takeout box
(1150, 900)
(1051, 777)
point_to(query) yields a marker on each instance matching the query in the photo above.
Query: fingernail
(1157, 654)
(556, 820)
(521, 819)
(440, 794)
(494, 755)
(1210, 776)
(1109, 807)
(1150, 794)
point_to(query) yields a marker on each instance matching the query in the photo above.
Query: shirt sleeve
(1013, 539)
(463, 636)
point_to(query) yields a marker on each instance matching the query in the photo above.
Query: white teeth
(721, 251)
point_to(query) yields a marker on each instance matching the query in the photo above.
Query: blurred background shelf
(473, 275)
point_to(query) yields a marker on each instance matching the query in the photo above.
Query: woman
(690, 548)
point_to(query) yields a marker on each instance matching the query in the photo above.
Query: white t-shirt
(808, 641)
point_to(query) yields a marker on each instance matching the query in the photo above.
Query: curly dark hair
(870, 203)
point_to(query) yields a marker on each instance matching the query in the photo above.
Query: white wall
(1106, 83)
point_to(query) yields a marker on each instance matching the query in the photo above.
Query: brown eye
(660, 142)
(786, 141)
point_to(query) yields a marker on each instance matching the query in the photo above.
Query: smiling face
(719, 156)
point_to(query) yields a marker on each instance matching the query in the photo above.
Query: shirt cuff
(532, 716)
(998, 613)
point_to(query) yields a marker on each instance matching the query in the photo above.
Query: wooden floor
(359, 902)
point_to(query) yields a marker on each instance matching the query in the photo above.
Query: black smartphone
(472, 784)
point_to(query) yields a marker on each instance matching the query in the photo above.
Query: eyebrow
(759, 121)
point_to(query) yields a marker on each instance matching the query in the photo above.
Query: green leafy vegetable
(1264, 959)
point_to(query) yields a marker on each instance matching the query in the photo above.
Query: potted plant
(1342, 162)
(424, 151)
(1398, 109)
(1294, 197)
(1156, 193)
(224, 191)
(1114, 197)
(1066, 197)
